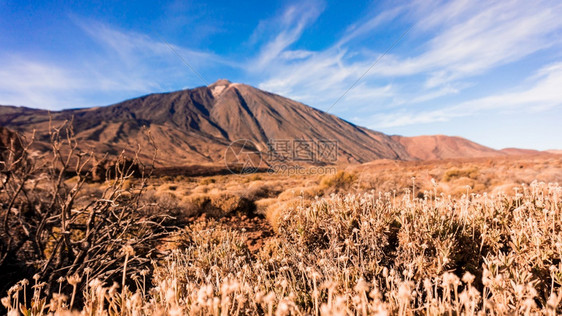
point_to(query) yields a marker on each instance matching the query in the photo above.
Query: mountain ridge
(197, 125)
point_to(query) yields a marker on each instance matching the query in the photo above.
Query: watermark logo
(302, 156)
(243, 156)
(283, 156)
(302, 150)
(290, 170)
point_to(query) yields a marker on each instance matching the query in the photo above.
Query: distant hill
(196, 126)
(433, 147)
(520, 152)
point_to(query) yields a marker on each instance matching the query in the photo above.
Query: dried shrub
(455, 173)
(218, 204)
(340, 181)
(55, 228)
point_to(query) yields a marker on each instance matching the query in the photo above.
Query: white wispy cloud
(34, 83)
(124, 64)
(131, 46)
(368, 25)
(459, 40)
(486, 36)
(541, 92)
(289, 27)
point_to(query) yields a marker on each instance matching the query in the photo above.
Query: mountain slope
(196, 126)
(521, 152)
(431, 147)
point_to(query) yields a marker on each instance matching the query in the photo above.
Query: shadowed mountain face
(197, 125)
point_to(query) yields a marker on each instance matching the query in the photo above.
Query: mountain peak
(221, 82)
(219, 86)
(198, 126)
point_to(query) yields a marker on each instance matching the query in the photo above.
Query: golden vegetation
(454, 173)
(340, 181)
(454, 237)
(361, 254)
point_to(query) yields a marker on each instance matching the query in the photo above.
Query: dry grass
(338, 182)
(495, 175)
(454, 173)
(385, 241)
(361, 254)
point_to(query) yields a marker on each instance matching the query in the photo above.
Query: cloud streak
(291, 25)
(125, 64)
(33, 83)
(541, 94)
(459, 40)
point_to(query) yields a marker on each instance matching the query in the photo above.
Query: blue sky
(490, 71)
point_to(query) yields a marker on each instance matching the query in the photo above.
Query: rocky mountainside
(196, 126)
